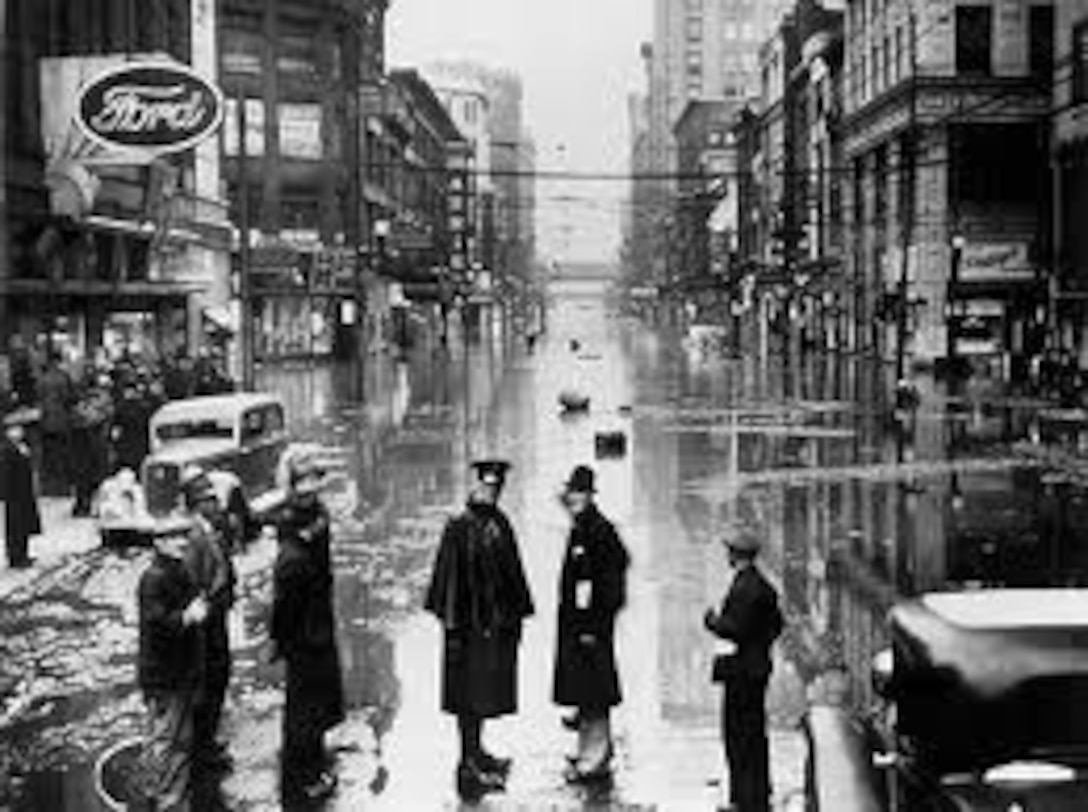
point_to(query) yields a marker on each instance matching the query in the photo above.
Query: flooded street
(854, 508)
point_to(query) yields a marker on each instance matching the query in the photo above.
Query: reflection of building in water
(370, 679)
(692, 575)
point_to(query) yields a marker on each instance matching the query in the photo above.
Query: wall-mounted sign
(150, 107)
(995, 261)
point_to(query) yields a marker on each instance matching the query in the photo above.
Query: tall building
(1070, 149)
(466, 99)
(526, 202)
(300, 67)
(703, 50)
(105, 249)
(952, 253)
(505, 243)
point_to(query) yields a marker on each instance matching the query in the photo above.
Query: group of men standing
(184, 659)
(183, 666)
(480, 594)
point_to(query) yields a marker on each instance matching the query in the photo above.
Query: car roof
(996, 609)
(988, 675)
(226, 405)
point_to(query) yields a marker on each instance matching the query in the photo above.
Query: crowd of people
(92, 417)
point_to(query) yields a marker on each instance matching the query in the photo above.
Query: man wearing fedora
(748, 624)
(481, 596)
(592, 590)
(18, 492)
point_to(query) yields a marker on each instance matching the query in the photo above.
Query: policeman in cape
(480, 594)
(747, 624)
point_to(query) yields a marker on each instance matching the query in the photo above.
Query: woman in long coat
(304, 632)
(592, 590)
(18, 493)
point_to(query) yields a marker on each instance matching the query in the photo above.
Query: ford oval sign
(150, 107)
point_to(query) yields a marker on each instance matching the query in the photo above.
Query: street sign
(149, 107)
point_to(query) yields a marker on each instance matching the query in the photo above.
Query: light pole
(952, 314)
(5, 267)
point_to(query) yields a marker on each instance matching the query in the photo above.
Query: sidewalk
(62, 537)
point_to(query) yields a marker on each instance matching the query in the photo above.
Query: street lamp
(958, 244)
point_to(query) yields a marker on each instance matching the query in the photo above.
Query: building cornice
(941, 101)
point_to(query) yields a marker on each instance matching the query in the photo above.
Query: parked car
(243, 435)
(983, 706)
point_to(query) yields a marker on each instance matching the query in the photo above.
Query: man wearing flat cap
(212, 570)
(480, 594)
(592, 590)
(748, 624)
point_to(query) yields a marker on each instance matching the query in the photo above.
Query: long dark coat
(170, 656)
(750, 617)
(130, 421)
(303, 623)
(479, 592)
(21, 517)
(585, 672)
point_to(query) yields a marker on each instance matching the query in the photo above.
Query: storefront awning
(94, 288)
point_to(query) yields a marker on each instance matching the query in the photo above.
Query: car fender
(839, 774)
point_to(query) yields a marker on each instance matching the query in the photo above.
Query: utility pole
(245, 287)
(910, 149)
(5, 266)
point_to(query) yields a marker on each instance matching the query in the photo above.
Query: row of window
(887, 59)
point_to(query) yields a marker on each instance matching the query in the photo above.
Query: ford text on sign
(156, 107)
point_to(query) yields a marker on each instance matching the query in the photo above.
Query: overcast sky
(578, 60)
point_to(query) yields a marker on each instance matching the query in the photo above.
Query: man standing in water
(749, 622)
(480, 595)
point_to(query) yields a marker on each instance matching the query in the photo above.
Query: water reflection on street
(855, 507)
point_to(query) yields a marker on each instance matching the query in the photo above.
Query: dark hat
(196, 485)
(744, 543)
(491, 472)
(581, 480)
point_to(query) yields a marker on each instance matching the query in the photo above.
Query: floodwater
(854, 508)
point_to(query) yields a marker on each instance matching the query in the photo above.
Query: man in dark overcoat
(18, 493)
(169, 669)
(592, 590)
(304, 633)
(129, 432)
(57, 396)
(210, 565)
(480, 594)
(749, 622)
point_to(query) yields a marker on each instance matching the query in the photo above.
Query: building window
(695, 29)
(1041, 42)
(886, 68)
(242, 52)
(859, 193)
(1080, 62)
(880, 199)
(297, 55)
(874, 68)
(974, 33)
(906, 175)
(900, 55)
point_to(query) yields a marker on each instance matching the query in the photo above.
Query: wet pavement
(854, 506)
